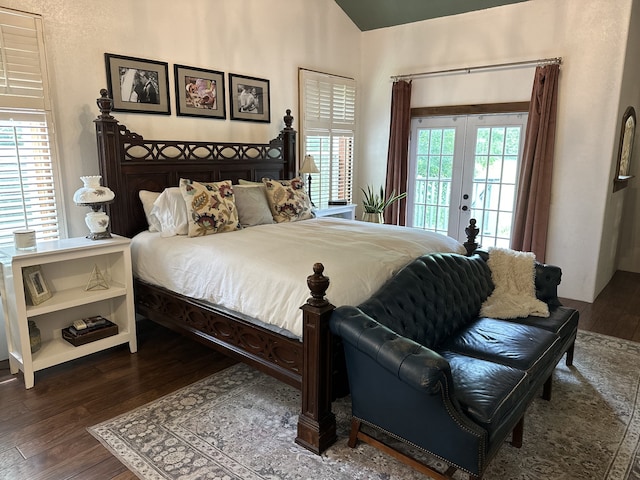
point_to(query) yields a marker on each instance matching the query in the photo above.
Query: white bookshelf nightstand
(66, 266)
(342, 211)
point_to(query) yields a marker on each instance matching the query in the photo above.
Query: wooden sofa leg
(518, 431)
(546, 390)
(353, 435)
(569, 359)
(356, 434)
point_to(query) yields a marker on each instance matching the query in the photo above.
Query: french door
(463, 167)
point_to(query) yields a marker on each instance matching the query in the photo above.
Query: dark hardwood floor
(43, 431)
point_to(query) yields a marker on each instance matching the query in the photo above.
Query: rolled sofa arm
(414, 364)
(548, 278)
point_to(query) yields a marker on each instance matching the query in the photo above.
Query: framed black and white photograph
(199, 92)
(138, 85)
(36, 288)
(249, 98)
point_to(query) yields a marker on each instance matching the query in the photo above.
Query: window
(328, 128)
(28, 178)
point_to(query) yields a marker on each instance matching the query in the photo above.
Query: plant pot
(373, 217)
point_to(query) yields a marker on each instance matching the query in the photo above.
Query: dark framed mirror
(625, 149)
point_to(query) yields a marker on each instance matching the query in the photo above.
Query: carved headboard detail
(129, 163)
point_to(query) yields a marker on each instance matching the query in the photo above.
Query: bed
(300, 356)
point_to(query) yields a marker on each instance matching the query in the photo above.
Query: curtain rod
(539, 62)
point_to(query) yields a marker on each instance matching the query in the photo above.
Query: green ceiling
(372, 14)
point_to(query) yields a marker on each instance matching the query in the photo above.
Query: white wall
(265, 39)
(629, 199)
(589, 35)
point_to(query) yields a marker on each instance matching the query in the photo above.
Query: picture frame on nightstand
(35, 285)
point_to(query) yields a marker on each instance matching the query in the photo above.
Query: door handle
(464, 208)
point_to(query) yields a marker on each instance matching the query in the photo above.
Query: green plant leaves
(376, 202)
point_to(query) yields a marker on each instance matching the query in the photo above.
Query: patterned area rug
(240, 424)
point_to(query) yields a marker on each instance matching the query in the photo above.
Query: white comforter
(261, 271)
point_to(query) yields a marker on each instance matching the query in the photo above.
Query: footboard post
(472, 232)
(316, 423)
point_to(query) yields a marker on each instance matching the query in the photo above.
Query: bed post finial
(288, 119)
(105, 104)
(472, 232)
(318, 284)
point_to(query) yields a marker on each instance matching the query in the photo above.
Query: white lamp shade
(92, 192)
(308, 165)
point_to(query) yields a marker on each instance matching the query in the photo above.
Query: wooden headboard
(129, 163)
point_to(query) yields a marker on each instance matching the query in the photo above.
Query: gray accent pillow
(251, 202)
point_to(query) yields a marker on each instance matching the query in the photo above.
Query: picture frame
(249, 98)
(199, 92)
(138, 85)
(625, 149)
(35, 285)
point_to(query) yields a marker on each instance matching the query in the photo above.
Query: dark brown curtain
(534, 187)
(398, 155)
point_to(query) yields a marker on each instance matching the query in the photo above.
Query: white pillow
(252, 205)
(147, 198)
(171, 211)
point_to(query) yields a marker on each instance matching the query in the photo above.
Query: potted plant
(375, 203)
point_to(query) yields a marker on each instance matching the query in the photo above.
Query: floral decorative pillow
(288, 200)
(210, 207)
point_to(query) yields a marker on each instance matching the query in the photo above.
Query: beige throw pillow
(252, 205)
(147, 198)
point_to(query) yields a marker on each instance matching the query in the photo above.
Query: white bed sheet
(261, 271)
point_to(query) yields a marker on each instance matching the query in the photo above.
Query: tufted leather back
(432, 297)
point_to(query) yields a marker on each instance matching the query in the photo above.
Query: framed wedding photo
(138, 85)
(35, 285)
(199, 92)
(249, 99)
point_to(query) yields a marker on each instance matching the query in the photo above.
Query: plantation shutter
(328, 133)
(27, 170)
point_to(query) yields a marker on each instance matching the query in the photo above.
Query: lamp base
(98, 235)
(310, 201)
(98, 223)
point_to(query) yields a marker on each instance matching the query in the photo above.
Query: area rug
(240, 424)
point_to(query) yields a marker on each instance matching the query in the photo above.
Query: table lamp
(309, 166)
(94, 195)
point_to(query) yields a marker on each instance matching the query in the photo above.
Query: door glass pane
(495, 176)
(432, 177)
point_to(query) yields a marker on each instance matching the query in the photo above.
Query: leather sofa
(424, 368)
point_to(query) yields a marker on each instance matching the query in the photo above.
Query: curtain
(398, 154)
(534, 184)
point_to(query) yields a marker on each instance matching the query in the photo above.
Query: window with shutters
(28, 179)
(328, 126)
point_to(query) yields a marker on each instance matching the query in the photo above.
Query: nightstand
(64, 268)
(341, 211)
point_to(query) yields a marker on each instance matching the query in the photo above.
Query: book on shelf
(88, 330)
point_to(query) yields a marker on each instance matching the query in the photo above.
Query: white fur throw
(514, 295)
